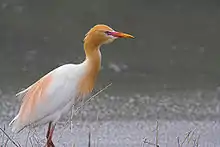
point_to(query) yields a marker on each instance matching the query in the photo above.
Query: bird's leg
(49, 138)
(48, 130)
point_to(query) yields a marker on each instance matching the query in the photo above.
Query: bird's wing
(47, 96)
(20, 95)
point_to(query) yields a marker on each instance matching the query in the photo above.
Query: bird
(54, 94)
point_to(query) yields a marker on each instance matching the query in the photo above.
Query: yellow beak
(121, 35)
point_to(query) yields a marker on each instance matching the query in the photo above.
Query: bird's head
(103, 34)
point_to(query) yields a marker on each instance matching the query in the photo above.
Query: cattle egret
(54, 94)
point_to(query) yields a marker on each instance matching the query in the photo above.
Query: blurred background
(170, 72)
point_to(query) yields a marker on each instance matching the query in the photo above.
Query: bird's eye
(107, 32)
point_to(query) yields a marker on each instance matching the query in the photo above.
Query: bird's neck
(93, 59)
(93, 64)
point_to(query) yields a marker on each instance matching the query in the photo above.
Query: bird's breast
(87, 81)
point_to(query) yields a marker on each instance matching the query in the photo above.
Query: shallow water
(126, 121)
(126, 133)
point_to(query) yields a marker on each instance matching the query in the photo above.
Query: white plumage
(59, 97)
(53, 95)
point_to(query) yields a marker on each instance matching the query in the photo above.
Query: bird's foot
(50, 143)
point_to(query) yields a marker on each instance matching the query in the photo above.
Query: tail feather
(15, 123)
(16, 126)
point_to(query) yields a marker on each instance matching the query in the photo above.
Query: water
(126, 121)
(129, 134)
(169, 72)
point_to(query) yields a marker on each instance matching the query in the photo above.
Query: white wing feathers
(46, 99)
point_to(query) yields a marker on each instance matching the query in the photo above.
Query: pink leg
(50, 135)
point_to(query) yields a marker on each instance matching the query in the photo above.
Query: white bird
(54, 94)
